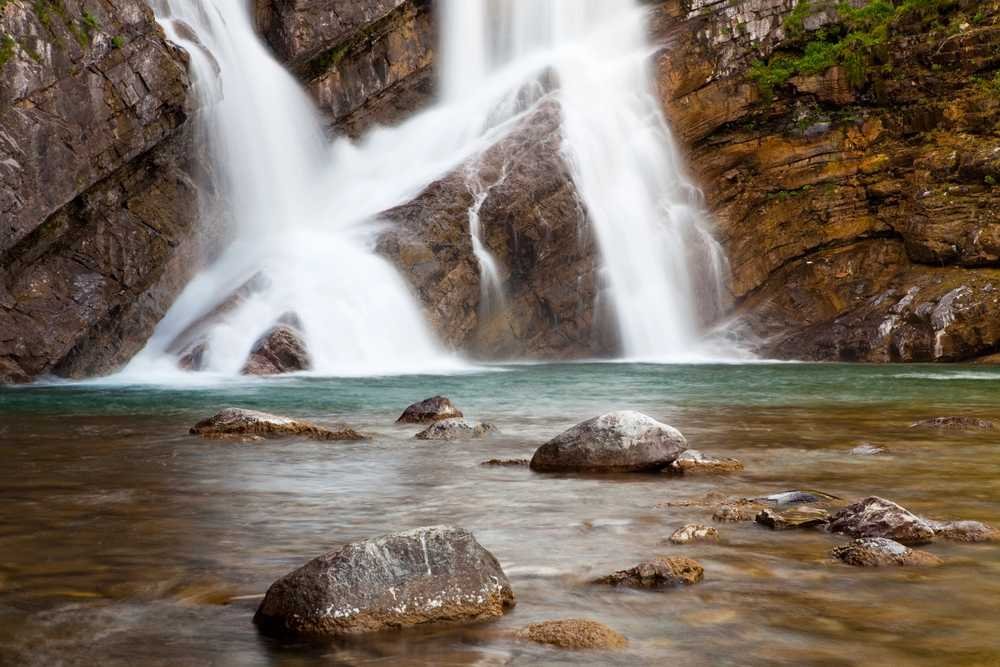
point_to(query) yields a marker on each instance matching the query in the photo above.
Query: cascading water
(302, 241)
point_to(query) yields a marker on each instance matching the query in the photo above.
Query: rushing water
(126, 541)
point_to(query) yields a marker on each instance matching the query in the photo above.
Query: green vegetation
(117, 41)
(7, 45)
(859, 39)
(990, 180)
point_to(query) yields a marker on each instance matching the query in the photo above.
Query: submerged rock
(279, 351)
(625, 441)
(693, 461)
(797, 497)
(694, 533)
(455, 429)
(237, 422)
(573, 633)
(955, 424)
(660, 572)
(429, 410)
(881, 552)
(965, 531)
(505, 462)
(867, 449)
(737, 510)
(427, 575)
(799, 517)
(878, 517)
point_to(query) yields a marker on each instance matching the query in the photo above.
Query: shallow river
(123, 540)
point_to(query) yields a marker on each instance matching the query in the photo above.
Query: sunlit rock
(426, 575)
(881, 552)
(573, 633)
(693, 532)
(878, 517)
(237, 422)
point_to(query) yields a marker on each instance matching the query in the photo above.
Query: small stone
(429, 410)
(455, 429)
(966, 531)
(878, 517)
(955, 424)
(693, 461)
(573, 633)
(867, 449)
(237, 423)
(505, 462)
(881, 552)
(660, 572)
(735, 511)
(799, 517)
(694, 533)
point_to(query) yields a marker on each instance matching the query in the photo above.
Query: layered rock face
(859, 217)
(96, 205)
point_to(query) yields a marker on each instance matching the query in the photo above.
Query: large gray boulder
(427, 575)
(625, 441)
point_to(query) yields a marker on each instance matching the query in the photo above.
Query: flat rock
(660, 572)
(505, 462)
(693, 532)
(240, 423)
(955, 424)
(796, 497)
(965, 531)
(881, 552)
(429, 410)
(878, 517)
(693, 461)
(573, 633)
(625, 441)
(427, 575)
(455, 428)
(798, 517)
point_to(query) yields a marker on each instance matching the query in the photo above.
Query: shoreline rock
(882, 552)
(572, 633)
(625, 441)
(429, 410)
(237, 423)
(436, 574)
(661, 572)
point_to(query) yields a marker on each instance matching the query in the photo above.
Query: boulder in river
(279, 351)
(878, 517)
(965, 531)
(237, 423)
(734, 511)
(455, 428)
(794, 517)
(955, 424)
(573, 633)
(693, 532)
(881, 552)
(429, 410)
(661, 572)
(625, 441)
(427, 575)
(693, 461)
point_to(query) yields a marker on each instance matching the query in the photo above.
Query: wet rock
(573, 633)
(279, 351)
(427, 575)
(505, 462)
(955, 424)
(799, 517)
(694, 533)
(796, 497)
(965, 531)
(737, 510)
(455, 429)
(429, 410)
(237, 422)
(878, 517)
(661, 572)
(867, 449)
(625, 441)
(881, 552)
(693, 461)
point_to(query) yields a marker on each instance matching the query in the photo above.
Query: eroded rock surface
(237, 422)
(573, 633)
(882, 552)
(429, 410)
(427, 575)
(624, 441)
(878, 517)
(661, 572)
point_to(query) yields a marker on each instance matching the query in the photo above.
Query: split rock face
(427, 575)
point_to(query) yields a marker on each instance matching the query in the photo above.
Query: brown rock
(625, 441)
(573, 633)
(955, 424)
(662, 572)
(693, 462)
(429, 575)
(798, 517)
(882, 552)
(739, 510)
(455, 429)
(429, 410)
(694, 533)
(966, 531)
(279, 351)
(236, 422)
(878, 517)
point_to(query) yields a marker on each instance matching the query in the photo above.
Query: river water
(123, 540)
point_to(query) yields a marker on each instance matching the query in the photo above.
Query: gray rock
(427, 575)
(878, 517)
(965, 531)
(624, 441)
(428, 411)
(881, 552)
(455, 429)
(796, 497)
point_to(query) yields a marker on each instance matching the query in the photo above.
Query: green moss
(990, 180)
(7, 46)
(32, 53)
(117, 41)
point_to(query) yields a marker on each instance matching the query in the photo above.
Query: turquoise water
(124, 540)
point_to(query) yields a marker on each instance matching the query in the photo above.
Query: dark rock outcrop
(279, 351)
(623, 441)
(882, 552)
(238, 423)
(455, 429)
(429, 410)
(97, 206)
(573, 633)
(428, 575)
(661, 572)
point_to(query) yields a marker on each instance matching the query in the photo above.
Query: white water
(304, 211)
